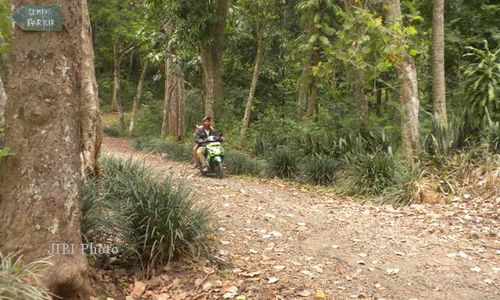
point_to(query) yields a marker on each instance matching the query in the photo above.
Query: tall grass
(320, 169)
(159, 220)
(283, 163)
(18, 281)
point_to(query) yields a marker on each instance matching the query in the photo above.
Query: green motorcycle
(215, 157)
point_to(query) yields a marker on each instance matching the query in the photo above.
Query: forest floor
(286, 241)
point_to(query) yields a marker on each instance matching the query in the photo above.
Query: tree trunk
(362, 100)
(359, 86)
(255, 77)
(408, 93)
(40, 186)
(91, 117)
(379, 100)
(438, 73)
(3, 100)
(118, 55)
(170, 92)
(181, 131)
(176, 104)
(304, 85)
(137, 98)
(211, 59)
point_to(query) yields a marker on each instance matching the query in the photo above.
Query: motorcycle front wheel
(219, 170)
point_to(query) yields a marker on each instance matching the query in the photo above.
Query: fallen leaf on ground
(139, 288)
(393, 271)
(272, 280)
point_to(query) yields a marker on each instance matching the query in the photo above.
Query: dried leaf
(139, 288)
(393, 271)
(272, 280)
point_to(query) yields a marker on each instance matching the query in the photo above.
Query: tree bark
(40, 185)
(362, 100)
(3, 100)
(137, 98)
(91, 117)
(175, 111)
(408, 93)
(255, 77)
(304, 85)
(211, 59)
(438, 73)
(359, 86)
(118, 55)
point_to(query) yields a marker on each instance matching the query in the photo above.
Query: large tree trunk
(170, 90)
(438, 74)
(137, 98)
(255, 77)
(211, 58)
(408, 93)
(3, 100)
(40, 186)
(91, 117)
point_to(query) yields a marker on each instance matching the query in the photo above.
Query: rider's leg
(195, 157)
(201, 157)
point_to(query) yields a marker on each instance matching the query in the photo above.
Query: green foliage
(149, 121)
(320, 169)
(161, 221)
(114, 130)
(283, 163)
(18, 281)
(239, 163)
(4, 151)
(407, 188)
(370, 174)
(173, 150)
(482, 82)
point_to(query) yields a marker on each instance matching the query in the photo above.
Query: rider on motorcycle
(201, 136)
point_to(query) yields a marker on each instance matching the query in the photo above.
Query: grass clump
(114, 130)
(320, 169)
(408, 187)
(283, 164)
(18, 281)
(370, 174)
(158, 220)
(238, 163)
(171, 149)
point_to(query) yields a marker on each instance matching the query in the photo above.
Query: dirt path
(285, 242)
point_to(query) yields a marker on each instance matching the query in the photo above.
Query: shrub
(162, 220)
(239, 163)
(282, 163)
(19, 281)
(320, 169)
(114, 130)
(408, 186)
(371, 174)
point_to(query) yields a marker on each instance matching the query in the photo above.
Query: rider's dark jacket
(201, 134)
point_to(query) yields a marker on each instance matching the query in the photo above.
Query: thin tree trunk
(304, 85)
(40, 186)
(362, 100)
(379, 101)
(408, 93)
(438, 73)
(3, 101)
(137, 98)
(211, 59)
(91, 118)
(181, 131)
(118, 55)
(255, 77)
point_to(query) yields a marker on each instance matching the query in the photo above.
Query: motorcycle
(215, 157)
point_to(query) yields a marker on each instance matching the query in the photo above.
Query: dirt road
(286, 242)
